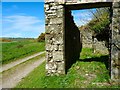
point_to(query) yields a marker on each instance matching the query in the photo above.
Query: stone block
(59, 14)
(116, 5)
(49, 47)
(46, 6)
(53, 71)
(48, 36)
(52, 15)
(116, 59)
(58, 56)
(54, 8)
(116, 12)
(116, 72)
(60, 47)
(49, 29)
(117, 37)
(55, 47)
(58, 39)
(51, 60)
(50, 11)
(48, 41)
(60, 7)
(50, 55)
(116, 26)
(54, 29)
(60, 66)
(59, 42)
(56, 21)
(51, 66)
(116, 20)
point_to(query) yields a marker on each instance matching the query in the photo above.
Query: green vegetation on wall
(100, 21)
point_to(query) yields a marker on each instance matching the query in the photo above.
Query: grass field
(85, 73)
(19, 49)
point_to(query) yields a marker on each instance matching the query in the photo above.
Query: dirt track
(12, 77)
(12, 64)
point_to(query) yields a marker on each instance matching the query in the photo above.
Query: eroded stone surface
(56, 37)
(115, 52)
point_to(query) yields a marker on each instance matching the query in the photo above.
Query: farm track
(12, 77)
(14, 63)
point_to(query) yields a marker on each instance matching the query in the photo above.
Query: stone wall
(100, 47)
(73, 43)
(54, 38)
(115, 48)
(63, 37)
(88, 41)
(86, 37)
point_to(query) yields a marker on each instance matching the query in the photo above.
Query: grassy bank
(19, 49)
(87, 72)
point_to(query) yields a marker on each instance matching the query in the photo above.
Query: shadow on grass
(104, 59)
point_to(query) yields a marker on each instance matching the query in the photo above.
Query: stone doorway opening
(94, 27)
(76, 38)
(59, 36)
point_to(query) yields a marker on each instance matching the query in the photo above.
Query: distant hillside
(7, 39)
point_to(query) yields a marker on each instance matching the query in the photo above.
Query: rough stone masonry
(59, 34)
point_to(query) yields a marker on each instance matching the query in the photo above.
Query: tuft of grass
(82, 74)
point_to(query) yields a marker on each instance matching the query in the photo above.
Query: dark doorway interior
(74, 43)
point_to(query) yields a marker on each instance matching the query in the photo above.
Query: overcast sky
(27, 19)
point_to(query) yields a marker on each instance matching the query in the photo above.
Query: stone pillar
(54, 38)
(115, 48)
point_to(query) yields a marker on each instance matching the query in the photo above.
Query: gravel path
(14, 63)
(13, 76)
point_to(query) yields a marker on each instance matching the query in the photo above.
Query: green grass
(82, 74)
(16, 50)
(88, 53)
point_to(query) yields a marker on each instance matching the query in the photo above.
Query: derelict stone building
(62, 37)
